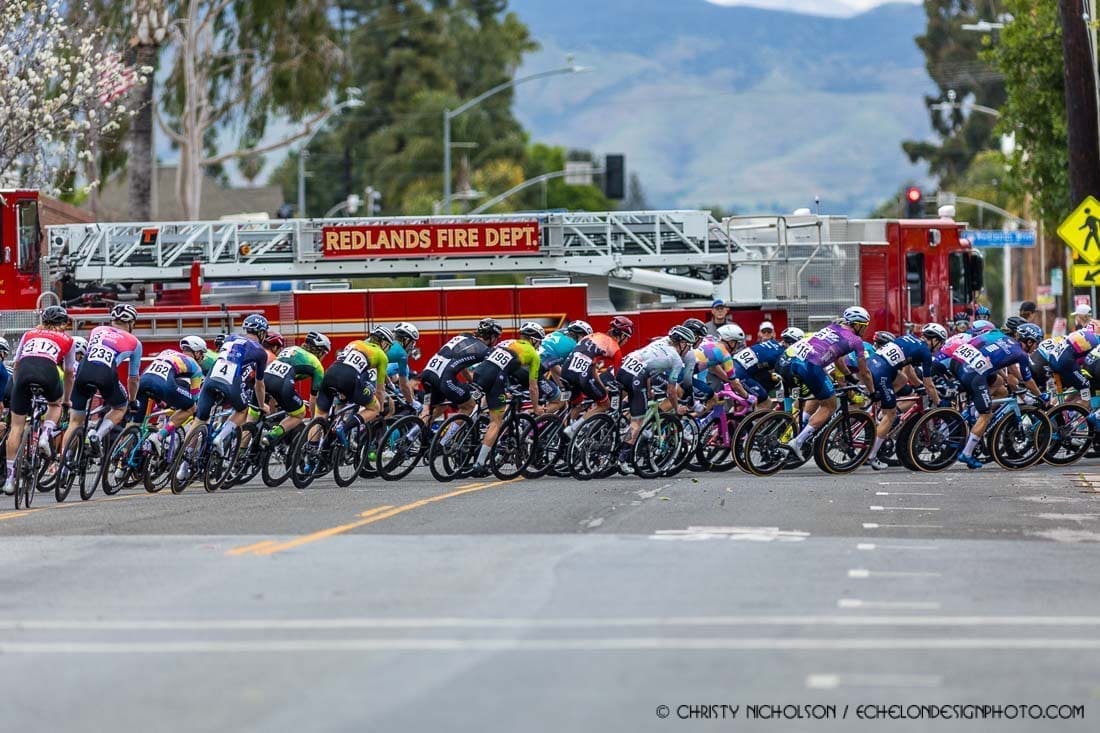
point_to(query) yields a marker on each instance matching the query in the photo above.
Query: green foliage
(1029, 54)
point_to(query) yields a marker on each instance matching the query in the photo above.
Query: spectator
(766, 332)
(1082, 318)
(719, 316)
(1027, 311)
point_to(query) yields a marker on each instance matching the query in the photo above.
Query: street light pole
(449, 115)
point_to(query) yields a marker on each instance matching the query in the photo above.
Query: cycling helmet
(407, 330)
(579, 327)
(934, 330)
(55, 315)
(5, 347)
(792, 335)
(681, 334)
(533, 331)
(488, 327)
(982, 312)
(319, 341)
(1012, 323)
(884, 337)
(274, 341)
(193, 343)
(219, 340)
(80, 346)
(982, 326)
(623, 325)
(124, 313)
(255, 323)
(381, 333)
(1029, 332)
(856, 315)
(696, 326)
(731, 332)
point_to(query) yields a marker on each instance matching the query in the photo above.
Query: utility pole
(1083, 131)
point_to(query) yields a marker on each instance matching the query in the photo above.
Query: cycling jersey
(904, 351)
(457, 355)
(556, 348)
(208, 360)
(757, 360)
(398, 359)
(658, 358)
(239, 361)
(593, 357)
(295, 364)
(172, 378)
(852, 359)
(366, 358)
(508, 360)
(826, 346)
(38, 360)
(111, 346)
(42, 343)
(986, 355)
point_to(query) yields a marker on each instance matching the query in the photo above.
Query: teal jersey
(556, 348)
(399, 361)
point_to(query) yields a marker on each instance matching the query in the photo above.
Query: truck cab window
(957, 272)
(914, 277)
(29, 236)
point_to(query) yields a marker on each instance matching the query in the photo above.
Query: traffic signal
(914, 207)
(614, 177)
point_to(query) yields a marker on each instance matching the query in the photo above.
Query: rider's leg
(15, 436)
(496, 420)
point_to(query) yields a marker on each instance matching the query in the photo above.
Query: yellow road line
(371, 516)
(66, 505)
(250, 548)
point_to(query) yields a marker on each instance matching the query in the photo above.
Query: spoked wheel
(657, 446)
(158, 468)
(219, 464)
(401, 448)
(189, 462)
(307, 460)
(845, 443)
(1071, 434)
(689, 440)
(249, 459)
(349, 455)
(594, 448)
(454, 447)
(123, 461)
(511, 451)
(275, 459)
(936, 439)
(550, 442)
(764, 451)
(740, 438)
(26, 472)
(70, 466)
(1022, 442)
(714, 450)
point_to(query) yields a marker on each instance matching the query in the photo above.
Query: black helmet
(884, 337)
(697, 327)
(488, 328)
(55, 315)
(1012, 323)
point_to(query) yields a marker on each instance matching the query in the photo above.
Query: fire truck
(204, 277)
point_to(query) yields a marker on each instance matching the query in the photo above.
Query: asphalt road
(554, 605)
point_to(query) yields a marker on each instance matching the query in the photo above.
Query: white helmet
(5, 347)
(580, 327)
(193, 343)
(856, 314)
(935, 330)
(80, 345)
(731, 332)
(407, 330)
(792, 334)
(532, 330)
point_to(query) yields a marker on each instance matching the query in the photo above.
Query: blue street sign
(1000, 238)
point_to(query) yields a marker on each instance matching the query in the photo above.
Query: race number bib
(279, 368)
(162, 369)
(801, 350)
(579, 363)
(285, 353)
(1056, 349)
(224, 371)
(371, 375)
(357, 360)
(632, 366)
(101, 355)
(746, 358)
(893, 354)
(43, 348)
(616, 400)
(453, 343)
(437, 364)
(973, 358)
(501, 357)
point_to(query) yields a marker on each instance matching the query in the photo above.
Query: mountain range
(750, 109)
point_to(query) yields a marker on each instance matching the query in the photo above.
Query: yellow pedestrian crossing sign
(1086, 275)
(1081, 231)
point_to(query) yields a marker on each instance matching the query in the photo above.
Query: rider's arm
(864, 372)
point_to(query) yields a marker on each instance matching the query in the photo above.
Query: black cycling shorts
(34, 370)
(588, 384)
(94, 377)
(494, 382)
(281, 390)
(636, 389)
(445, 390)
(341, 380)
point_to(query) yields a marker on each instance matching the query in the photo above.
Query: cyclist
(1064, 359)
(174, 378)
(405, 337)
(211, 355)
(811, 356)
(754, 367)
(657, 361)
(792, 335)
(240, 358)
(976, 363)
(592, 365)
(553, 353)
(359, 375)
(961, 322)
(108, 347)
(709, 365)
(292, 364)
(441, 375)
(273, 343)
(1012, 323)
(5, 385)
(766, 332)
(80, 348)
(904, 361)
(44, 358)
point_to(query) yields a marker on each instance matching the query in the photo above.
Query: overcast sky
(817, 7)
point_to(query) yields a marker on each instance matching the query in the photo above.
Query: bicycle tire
(158, 471)
(1068, 444)
(219, 466)
(549, 444)
(350, 458)
(1012, 437)
(304, 474)
(715, 452)
(741, 434)
(191, 454)
(511, 451)
(72, 454)
(401, 448)
(247, 465)
(594, 447)
(113, 467)
(450, 447)
(655, 453)
(275, 461)
(21, 479)
(763, 454)
(853, 434)
(901, 445)
(689, 440)
(936, 439)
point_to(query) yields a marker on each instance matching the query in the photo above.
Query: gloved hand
(417, 406)
(944, 402)
(1044, 397)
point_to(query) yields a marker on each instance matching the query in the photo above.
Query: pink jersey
(112, 346)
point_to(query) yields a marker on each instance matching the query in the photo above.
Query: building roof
(217, 200)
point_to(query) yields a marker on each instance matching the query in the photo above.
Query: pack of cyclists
(572, 372)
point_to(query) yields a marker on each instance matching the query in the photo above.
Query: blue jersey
(239, 358)
(904, 351)
(555, 349)
(757, 359)
(399, 361)
(5, 378)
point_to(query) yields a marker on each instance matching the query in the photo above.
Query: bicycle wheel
(740, 438)
(275, 459)
(189, 460)
(845, 443)
(247, 464)
(714, 451)
(511, 451)
(689, 441)
(936, 439)
(1019, 443)
(657, 446)
(594, 447)
(72, 458)
(348, 459)
(901, 445)
(26, 470)
(401, 448)
(1071, 434)
(158, 468)
(453, 447)
(764, 454)
(308, 460)
(122, 459)
(549, 445)
(219, 464)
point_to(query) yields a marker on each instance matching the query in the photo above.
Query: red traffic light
(913, 194)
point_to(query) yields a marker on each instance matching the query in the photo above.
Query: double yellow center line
(377, 514)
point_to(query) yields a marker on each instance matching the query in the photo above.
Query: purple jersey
(826, 346)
